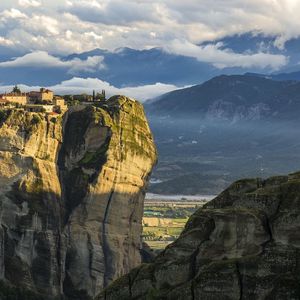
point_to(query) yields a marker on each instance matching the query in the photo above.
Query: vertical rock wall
(244, 244)
(71, 197)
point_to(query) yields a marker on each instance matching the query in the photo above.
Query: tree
(16, 90)
(101, 96)
(35, 119)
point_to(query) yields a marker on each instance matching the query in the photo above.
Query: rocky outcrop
(71, 194)
(244, 244)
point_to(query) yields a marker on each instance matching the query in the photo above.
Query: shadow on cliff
(244, 244)
(31, 241)
(46, 255)
(111, 251)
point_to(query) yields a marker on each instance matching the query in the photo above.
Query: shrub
(3, 115)
(35, 120)
(47, 157)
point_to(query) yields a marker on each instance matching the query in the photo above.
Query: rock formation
(71, 196)
(244, 244)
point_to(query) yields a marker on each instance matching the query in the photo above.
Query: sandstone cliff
(71, 197)
(245, 244)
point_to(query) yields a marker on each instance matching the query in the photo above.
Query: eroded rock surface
(244, 244)
(72, 192)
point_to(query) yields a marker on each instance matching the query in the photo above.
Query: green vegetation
(88, 157)
(28, 121)
(3, 115)
(47, 157)
(34, 187)
(35, 119)
(163, 223)
(70, 101)
(92, 159)
(53, 120)
(16, 90)
(77, 99)
(167, 211)
(100, 96)
(160, 233)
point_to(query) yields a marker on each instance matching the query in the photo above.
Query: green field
(162, 224)
(158, 245)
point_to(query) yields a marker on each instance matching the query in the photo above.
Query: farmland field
(164, 219)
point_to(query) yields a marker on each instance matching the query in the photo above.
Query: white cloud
(43, 25)
(68, 26)
(41, 59)
(12, 14)
(87, 85)
(91, 64)
(29, 3)
(5, 42)
(115, 12)
(212, 53)
(78, 85)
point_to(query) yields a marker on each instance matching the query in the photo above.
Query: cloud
(12, 14)
(29, 3)
(68, 26)
(87, 85)
(222, 58)
(78, 85)
(5, 42)
(41, 59)
(115, 12)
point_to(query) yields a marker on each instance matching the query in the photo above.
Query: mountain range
(133, 67)
(232, 98)
(228, 127)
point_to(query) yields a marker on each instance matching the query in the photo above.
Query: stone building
(41, 95)
(35, 101)
(59, 104)
(21, 98)
(46, 95)
(3, 102)
(39, 108)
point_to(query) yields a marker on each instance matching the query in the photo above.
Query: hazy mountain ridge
(232, 98)
(228, 127)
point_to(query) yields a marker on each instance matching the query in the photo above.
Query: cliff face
(242, 245)
(72, 195)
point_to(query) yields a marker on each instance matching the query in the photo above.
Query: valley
(149, 150)
(165, 217)
(228, 128)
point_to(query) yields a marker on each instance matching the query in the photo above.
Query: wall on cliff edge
(244, 244)
(71, 195)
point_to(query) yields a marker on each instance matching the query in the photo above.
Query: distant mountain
(250, 42)
(228, 127)
(232, 98)
(131, 67)
(286, 76)
(255, 42)
(123, 67)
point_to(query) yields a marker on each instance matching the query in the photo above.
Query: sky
(68, 26)
(50, 29)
